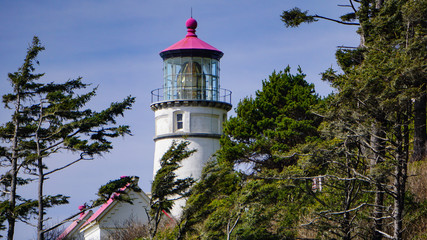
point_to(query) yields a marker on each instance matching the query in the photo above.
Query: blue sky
(115, 45)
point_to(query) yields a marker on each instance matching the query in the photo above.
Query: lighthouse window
(191, 78)
(179, 122)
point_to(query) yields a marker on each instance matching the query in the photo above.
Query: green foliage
(294, 17)
(117, 188)
(371, 112)
(165, 184)
(349, 17)
(15, 134)
(211, 197)
(50, 201)
(388, 73)
(23, 80)
(268, 126)
(261, 202)
(415, 219)
(348, 59)
(166, 188)
(271, 209)
(259, 207)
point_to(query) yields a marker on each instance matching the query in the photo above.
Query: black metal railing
(190, 93)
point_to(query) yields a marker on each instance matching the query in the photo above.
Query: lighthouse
(190, 106)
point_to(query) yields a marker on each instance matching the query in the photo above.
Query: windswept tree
(51, 118)
(16, 133)
(166, 187)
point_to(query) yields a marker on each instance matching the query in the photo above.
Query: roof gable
(75, 225)
(106, 208)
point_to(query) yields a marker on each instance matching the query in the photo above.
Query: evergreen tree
(397, 24)
(268, 126)
(166, 188)
(263, 139)
(49, 118)
(340, 188)
(16, 132)
(213, 204)
(383, 91)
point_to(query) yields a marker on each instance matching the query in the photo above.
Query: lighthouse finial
(191, 12)
(191, 25)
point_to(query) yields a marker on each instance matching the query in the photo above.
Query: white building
(109, 216)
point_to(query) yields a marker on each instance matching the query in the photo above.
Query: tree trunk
(346, 225)
(377, 145)
(12, 199)
(420, 134)
(399, 199)
(399, 185)
(402, 155)
(11, 218)
(40, 217)
(40, 235)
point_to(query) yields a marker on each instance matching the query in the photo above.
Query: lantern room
(195, 78)
(191, 70)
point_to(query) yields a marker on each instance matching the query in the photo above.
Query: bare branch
(345, 211)
(67, 219)
(347, 47)
(337, 21)
(352, 6)
(311, 222)
(71, 163)
(318, 114)
(229, 231)
(384, 234)
(25, 221)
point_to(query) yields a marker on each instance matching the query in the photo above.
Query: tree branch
(345, 211)
(352, 6)
(384, 234)
(66, 220)
(67, 165)
(337, 21)
(25, 221)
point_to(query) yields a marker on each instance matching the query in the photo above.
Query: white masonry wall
(205, 121)
(197, 119)
(202, 126)
(192, 166)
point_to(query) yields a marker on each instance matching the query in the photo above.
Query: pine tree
(49, 117)
(17, 131)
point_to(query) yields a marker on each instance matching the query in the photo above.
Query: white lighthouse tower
(190, 106)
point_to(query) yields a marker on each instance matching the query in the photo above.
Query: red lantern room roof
(191, 45)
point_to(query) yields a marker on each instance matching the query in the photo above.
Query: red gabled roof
(73, 225)
(87, 217)
(105, 205)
